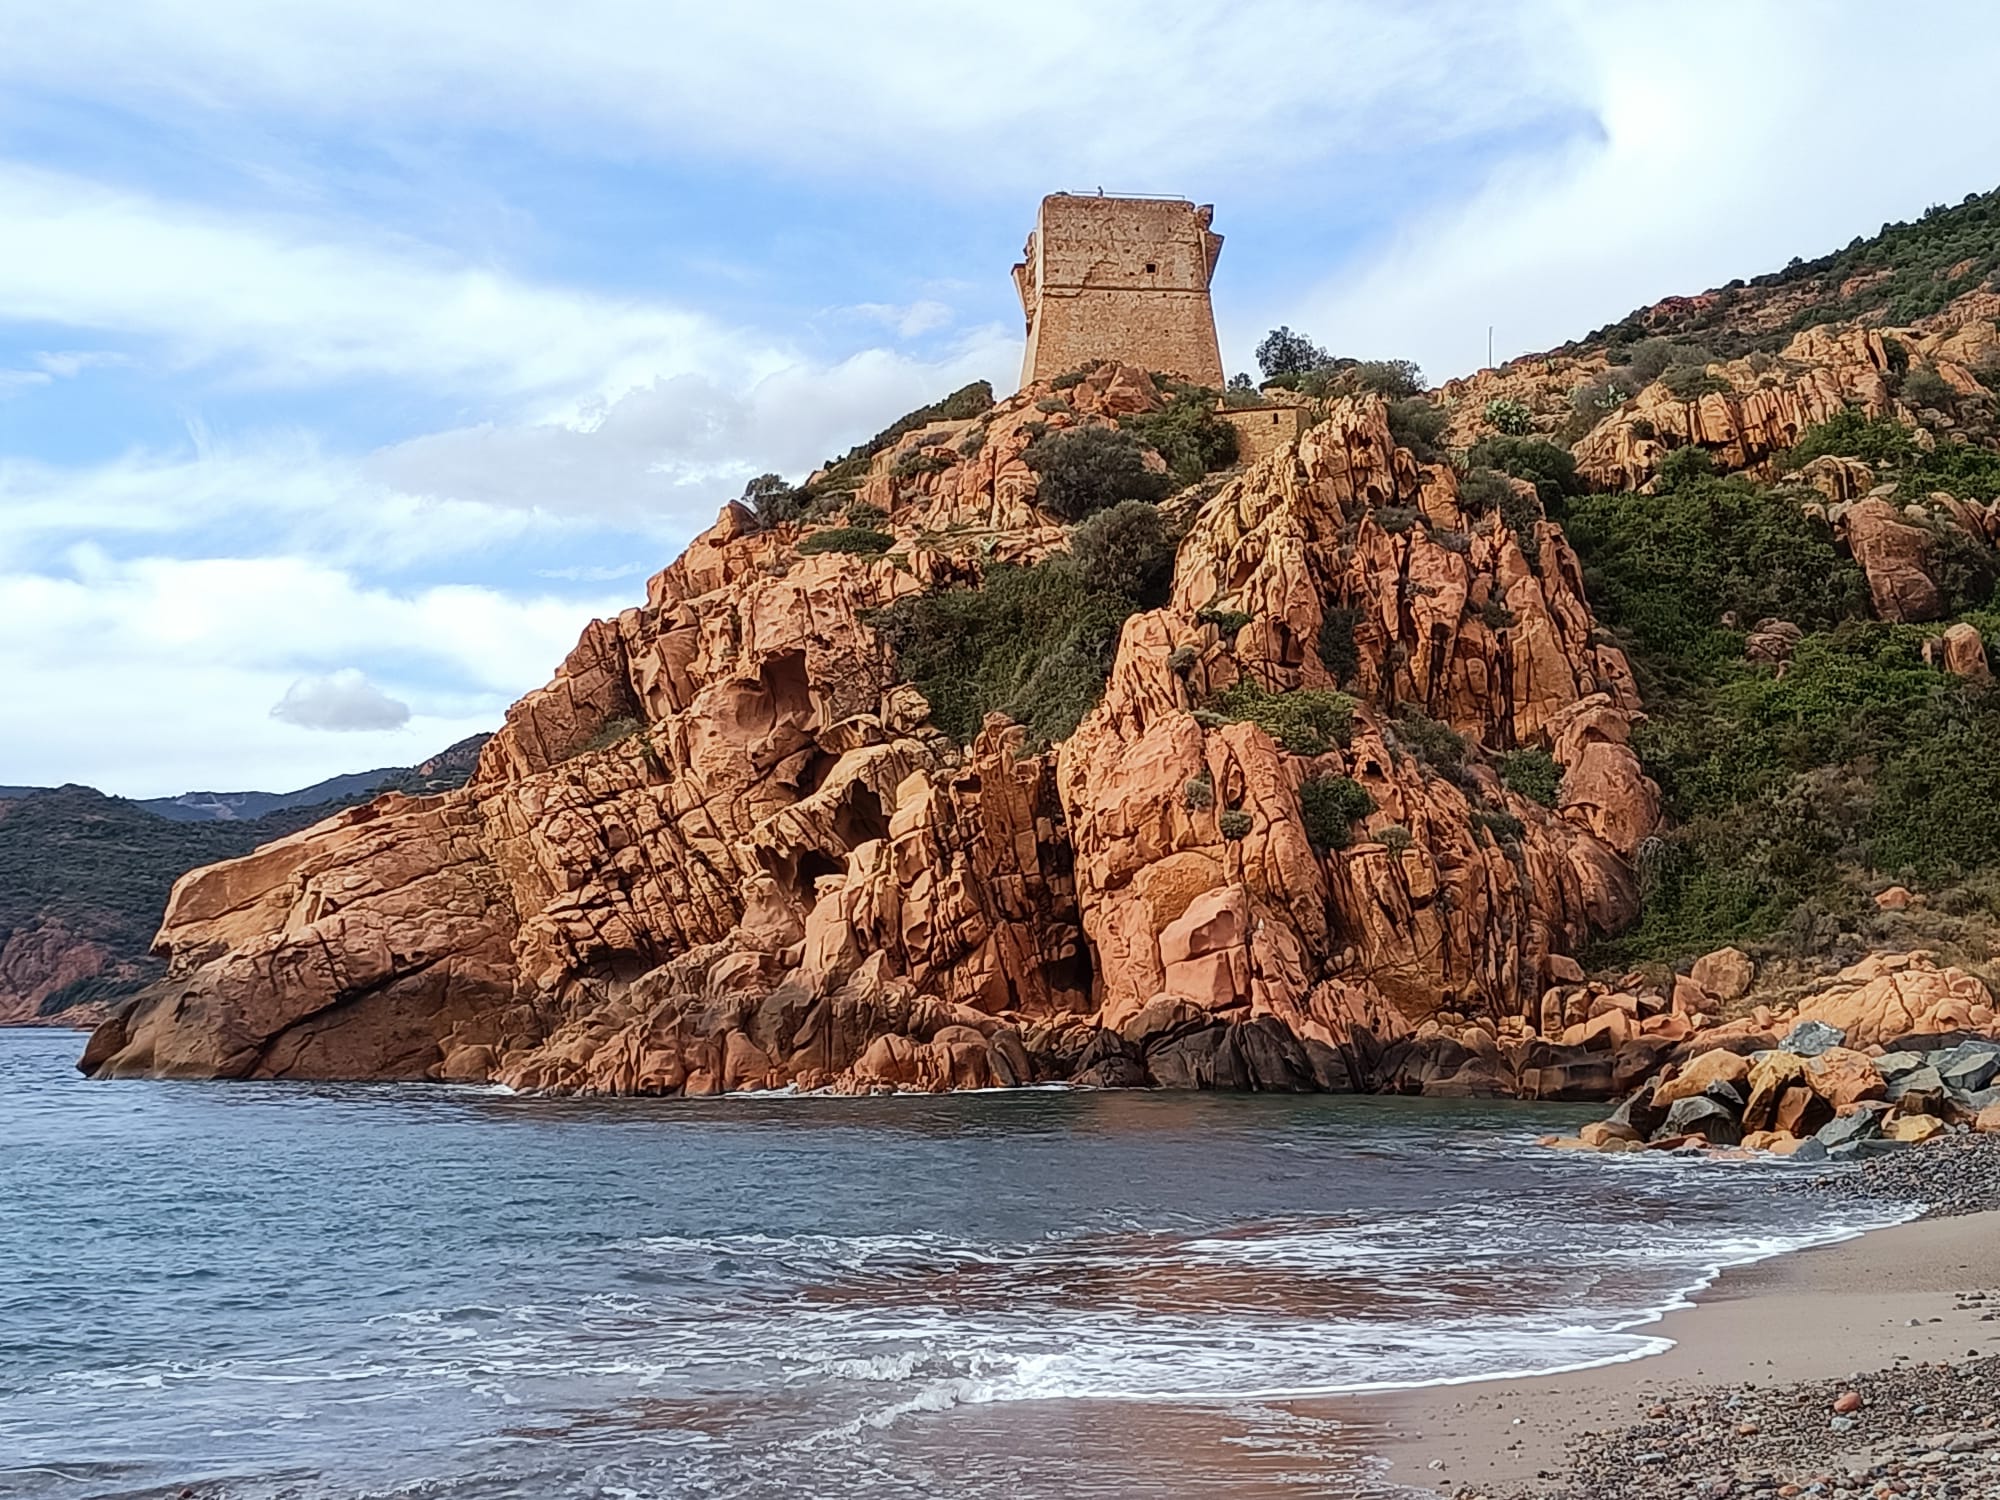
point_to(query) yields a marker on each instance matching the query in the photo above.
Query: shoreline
(1852, 1311)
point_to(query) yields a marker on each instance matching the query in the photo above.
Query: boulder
(1964, 653)
(1913, 1130)
(1810, 1038)
(1726, 973)
(1988, 1121)
(1640, 1112)
(1771, 1076)
(1844, 1078)
(1698, 1073)
(1855, 1125)
(1968, 1067)
(1600, 1133)
(1918, 1092)
(1702, 1116)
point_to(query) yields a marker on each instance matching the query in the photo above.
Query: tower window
(1150, 268)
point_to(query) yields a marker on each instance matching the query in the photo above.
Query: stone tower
(1120, 278)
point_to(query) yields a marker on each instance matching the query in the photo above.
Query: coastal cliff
(1041, 740)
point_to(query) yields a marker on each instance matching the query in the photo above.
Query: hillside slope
(1041, 740)
(84, 878)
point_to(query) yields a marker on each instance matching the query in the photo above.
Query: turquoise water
(319, 1291)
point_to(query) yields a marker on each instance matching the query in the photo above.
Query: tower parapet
(1120, 278)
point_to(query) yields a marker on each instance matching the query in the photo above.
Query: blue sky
(353, 355)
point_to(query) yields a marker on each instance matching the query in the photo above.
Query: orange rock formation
(783, 873)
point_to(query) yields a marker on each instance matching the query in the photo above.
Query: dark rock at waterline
(1702, 1115)
(1861, 1124)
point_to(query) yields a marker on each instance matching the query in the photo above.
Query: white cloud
(1124, 93)
(344, 701)
(293, 300)
(150, 677)
(679, 447)
(1728, 145)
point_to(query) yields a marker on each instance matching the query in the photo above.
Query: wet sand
(1820, 1314)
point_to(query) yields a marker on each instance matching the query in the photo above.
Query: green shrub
(1395, 838)
(1199, 793)
(1226, 621)
(1484, 490)
(861, 513)
(861, 541)
(1050, 405)
(1393, 378)
(928, 459)
(1035, 643)
(1683, 466)
(1067, 380)
(1496, 614)
(773, 501)
(1127, 550)
(1187, 432)
(1664, 569)
(966, 402)
(1923, 388)
(613, 731)
(1504, 826)
(1088, 469)
(1416, 424)
(1890, 448)
(1397, 519)
(1305, 721)
(1533, 773)
(1505, 414)
(972, 442)
(1181, 660)
(1689, 382)
(1330, 806)
(1234, 824)
(1437, 745)
(1549, 468)
(1338, 651)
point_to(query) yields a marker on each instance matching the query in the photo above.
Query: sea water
(313, 1291)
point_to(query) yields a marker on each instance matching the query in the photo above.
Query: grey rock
(1810, 1150)
(1811, 1038)
(1893, 1065)
(1860, 1125)
(1968, 1067)
(1705, 1115)
(1918, 1085)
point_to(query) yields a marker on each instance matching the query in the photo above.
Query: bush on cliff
(1087, 469)
(860, 541)
(1127, 551)
(1549, 468)
(1416, 424)
(1305, 721)
(1035, 643)
(1330, 806)
(1187, 433)
(1532, 773)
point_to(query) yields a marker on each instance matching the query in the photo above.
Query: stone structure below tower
(1122, 279)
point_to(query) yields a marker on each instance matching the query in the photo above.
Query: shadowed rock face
(726, 849)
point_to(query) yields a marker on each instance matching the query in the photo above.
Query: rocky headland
(1445, 744)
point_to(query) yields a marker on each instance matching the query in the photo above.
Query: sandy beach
(1896, 1297)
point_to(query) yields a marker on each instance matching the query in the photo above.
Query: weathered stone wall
(1262, 431)
(1121, 279)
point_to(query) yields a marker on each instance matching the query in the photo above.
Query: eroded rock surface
(725, 848)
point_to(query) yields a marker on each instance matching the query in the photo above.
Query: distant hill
(84, 877)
